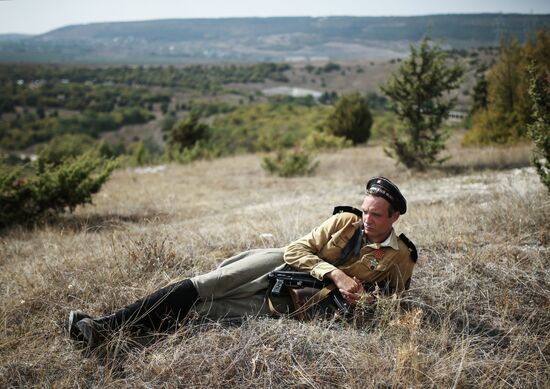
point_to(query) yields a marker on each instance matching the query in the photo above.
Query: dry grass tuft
(477, 313)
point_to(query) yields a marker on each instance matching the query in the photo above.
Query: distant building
(291, 91)
(456, 116)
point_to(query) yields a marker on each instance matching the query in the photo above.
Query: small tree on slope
(417, 92)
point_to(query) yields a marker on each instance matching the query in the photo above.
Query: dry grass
(468, 159)
(477, 314)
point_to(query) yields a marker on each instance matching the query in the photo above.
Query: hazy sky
(38, 16)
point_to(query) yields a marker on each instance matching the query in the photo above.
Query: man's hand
(350, 288)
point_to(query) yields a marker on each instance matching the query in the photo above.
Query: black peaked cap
(383, 187)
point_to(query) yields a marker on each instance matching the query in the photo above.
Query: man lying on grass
(351, 249)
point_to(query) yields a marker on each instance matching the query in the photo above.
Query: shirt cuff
(321, 269)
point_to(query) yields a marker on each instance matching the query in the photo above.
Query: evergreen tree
(418, 95)
(479, 98)
(499, 121)
(509, 109)
(504, 78)
(351, 118)
(186, 133)
(536, 50)
(539, 131)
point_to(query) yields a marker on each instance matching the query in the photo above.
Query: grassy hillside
(259, 39)
(477, 313)
(126, 104)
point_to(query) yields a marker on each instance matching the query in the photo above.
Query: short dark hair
(391, 209)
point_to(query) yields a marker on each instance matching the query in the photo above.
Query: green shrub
(168, 121)
(29, 129)
(265, 127)
(290, 163)
(200, 150)
(16, 195)
(307, 101)
(185, 133)
(28, 193)
(479, 98)
(493, 127)
(318, 140)
(143, 153)
(328, 98)
(383, 123)
(206, 109)
(110, 150)
(65, 146)
(376, 101)
(351, 118)
(331, 67)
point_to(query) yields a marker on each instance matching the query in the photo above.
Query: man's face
(378, 223)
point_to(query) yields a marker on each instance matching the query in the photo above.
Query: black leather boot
(95, 331)
(159, 311)
(72, 329)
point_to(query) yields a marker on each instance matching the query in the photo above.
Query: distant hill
(14, 37)
(262, 39)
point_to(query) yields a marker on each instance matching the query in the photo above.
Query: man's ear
(395, 216)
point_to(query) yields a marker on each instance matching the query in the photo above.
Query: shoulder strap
(354, 244)
(347, 208)
(352, 247)
(410, 245)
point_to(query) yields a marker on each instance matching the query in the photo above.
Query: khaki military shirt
(320, 249)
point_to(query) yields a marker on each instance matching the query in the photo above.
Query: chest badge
(378, 255)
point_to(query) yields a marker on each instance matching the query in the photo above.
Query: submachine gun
(308, 294)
